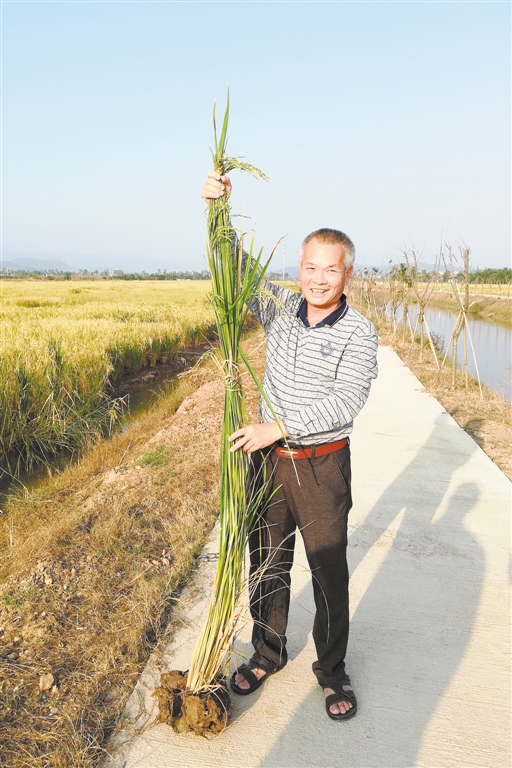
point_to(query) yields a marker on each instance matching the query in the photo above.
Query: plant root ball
(205, 713)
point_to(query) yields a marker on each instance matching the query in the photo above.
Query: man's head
(325, 266)
(333, 237)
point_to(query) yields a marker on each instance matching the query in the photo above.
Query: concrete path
(429, 653)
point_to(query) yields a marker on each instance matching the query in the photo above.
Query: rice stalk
(236, 279)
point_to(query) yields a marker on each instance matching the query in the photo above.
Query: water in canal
(140, 400)
(492, 343)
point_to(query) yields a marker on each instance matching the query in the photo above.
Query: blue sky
(389, 120)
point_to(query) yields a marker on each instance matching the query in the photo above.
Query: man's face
(323, 274)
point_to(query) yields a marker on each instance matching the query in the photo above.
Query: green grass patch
(159, 456)
(21, 597)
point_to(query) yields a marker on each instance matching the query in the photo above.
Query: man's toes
(339, 707)
(241, 682)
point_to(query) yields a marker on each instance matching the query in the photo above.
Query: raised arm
(251, 437)
(263, 307)
(215, 186)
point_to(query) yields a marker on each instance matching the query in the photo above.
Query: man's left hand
(253, 437)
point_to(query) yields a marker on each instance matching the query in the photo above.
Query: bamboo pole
(410, 327)
(421, 322)
(476, 364)
(432, 347)
(461, 322)
(465, 355)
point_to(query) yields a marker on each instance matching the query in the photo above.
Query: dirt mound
(205, 713)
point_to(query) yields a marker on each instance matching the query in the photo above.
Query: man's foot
(248, 679)
(242, 683)
(343, 708)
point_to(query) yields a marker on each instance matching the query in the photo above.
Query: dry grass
(485, 289)
(92, 564)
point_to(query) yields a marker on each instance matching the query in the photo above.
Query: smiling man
(321, 359)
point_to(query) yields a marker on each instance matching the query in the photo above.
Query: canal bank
(429, 650)
(495, 309)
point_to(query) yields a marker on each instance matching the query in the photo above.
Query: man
(321, 358)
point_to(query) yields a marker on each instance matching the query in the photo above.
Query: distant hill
(9, 265)
(277, 273)
(29, 264)
(90, 262)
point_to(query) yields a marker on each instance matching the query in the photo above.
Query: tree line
(501, 276)
(118, 274)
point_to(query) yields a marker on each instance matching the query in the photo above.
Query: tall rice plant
(59, 357)
(236, 279)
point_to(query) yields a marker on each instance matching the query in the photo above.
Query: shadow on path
(413, 620)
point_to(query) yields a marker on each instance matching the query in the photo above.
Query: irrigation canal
(492, 343)
(141, 391)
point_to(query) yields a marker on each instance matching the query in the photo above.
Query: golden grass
(488, 289)
(479, 289)
(63, 344)
(92, 563)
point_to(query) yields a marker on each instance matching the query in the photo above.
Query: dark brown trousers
(314, 496)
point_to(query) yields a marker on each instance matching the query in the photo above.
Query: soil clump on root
(205, 713)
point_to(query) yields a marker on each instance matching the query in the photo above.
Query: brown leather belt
(309, 453)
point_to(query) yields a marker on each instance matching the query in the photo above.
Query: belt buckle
(289, 452)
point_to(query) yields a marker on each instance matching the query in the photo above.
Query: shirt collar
(341, 311)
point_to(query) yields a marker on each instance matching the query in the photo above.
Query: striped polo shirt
(316, 378)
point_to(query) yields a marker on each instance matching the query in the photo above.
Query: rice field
(63, 344)
(475, 289)
(478, 289)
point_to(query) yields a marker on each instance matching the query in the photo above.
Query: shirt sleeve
(356, 369)
(270, 299)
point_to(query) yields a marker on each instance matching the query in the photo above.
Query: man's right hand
(215, 186)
